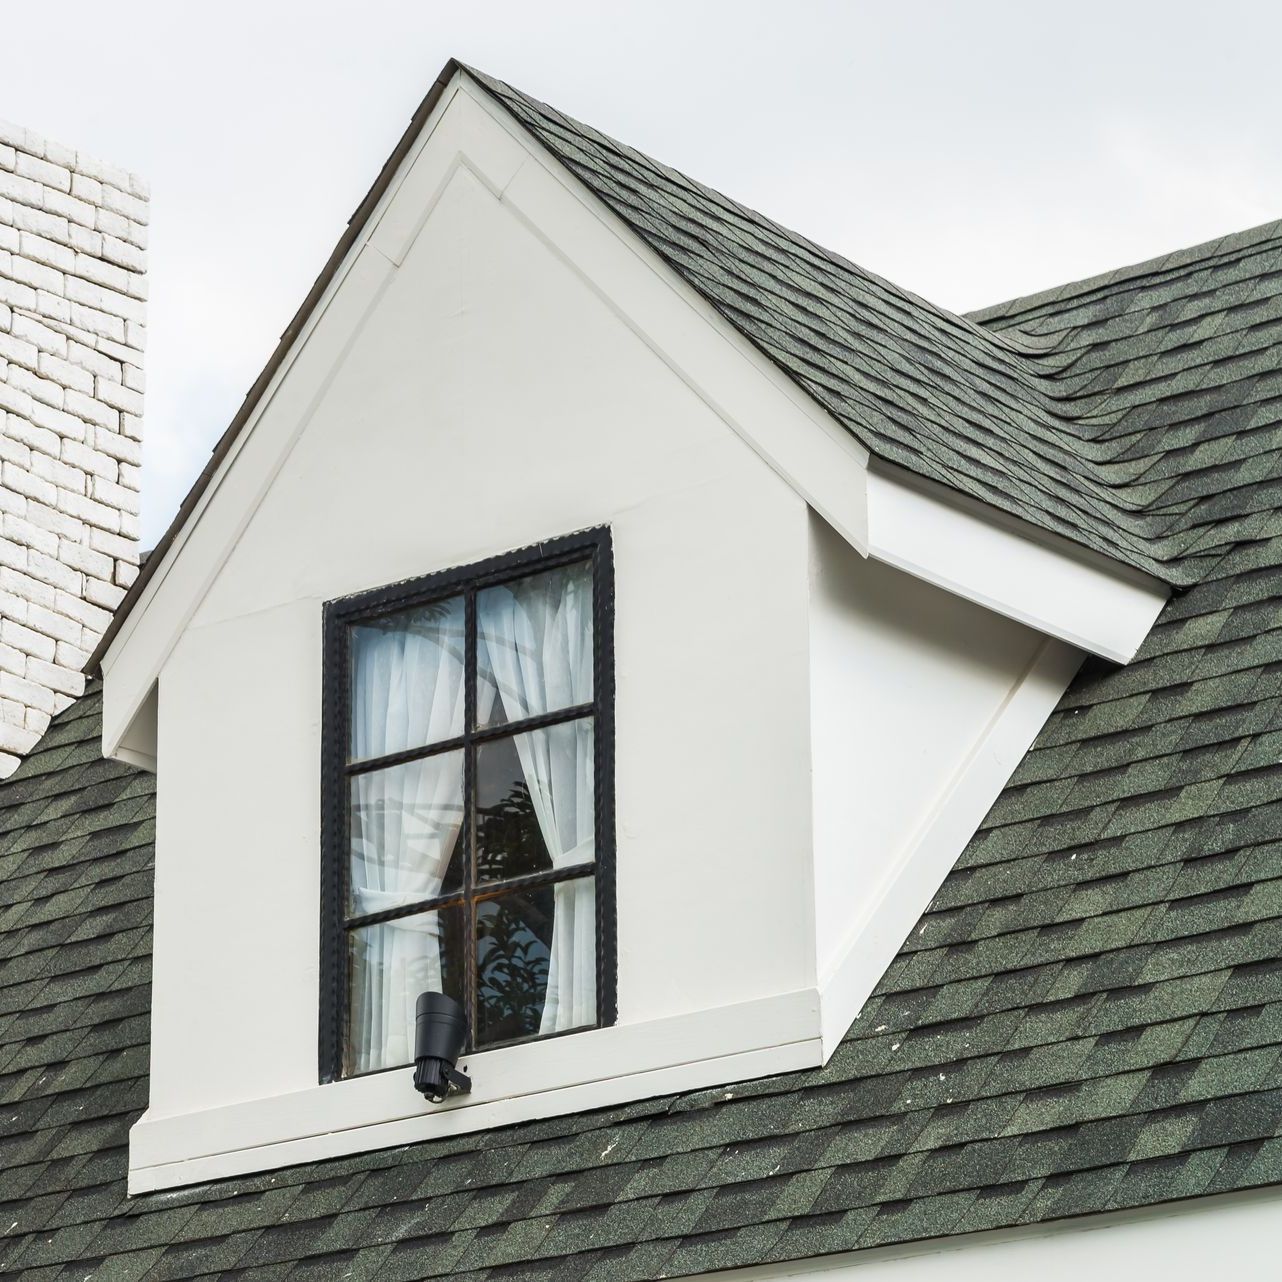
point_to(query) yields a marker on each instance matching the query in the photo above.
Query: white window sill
(571, 1074)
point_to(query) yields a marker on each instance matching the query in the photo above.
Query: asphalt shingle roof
(1088, 1017)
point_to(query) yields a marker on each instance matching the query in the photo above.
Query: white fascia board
(1010, 567)
(600, 1068)
(909, 884)
(132, 664)
(770, 413)
(766, 408)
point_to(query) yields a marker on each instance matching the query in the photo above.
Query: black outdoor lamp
(440, 1032)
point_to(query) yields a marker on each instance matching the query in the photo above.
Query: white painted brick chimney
(73, 238)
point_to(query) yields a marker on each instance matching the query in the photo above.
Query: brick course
(73, 239)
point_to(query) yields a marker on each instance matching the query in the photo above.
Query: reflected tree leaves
(513, 939)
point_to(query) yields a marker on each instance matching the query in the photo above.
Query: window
(468, 804)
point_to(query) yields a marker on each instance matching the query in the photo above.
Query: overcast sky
(969, 151)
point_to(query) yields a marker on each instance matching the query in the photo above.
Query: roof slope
(1088, 1017)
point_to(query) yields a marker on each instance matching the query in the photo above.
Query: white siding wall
(1192, 1241)
(491, 400)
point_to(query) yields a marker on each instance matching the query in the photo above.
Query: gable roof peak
(996, 417)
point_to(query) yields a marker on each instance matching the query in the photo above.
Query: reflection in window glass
(509, 842)
(535, 804)
(513, 942)
(536, 961)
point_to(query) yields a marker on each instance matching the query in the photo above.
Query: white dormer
(536, 640)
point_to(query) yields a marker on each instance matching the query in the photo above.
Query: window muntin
(468, 806)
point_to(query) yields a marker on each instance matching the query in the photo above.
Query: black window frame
(592, 546)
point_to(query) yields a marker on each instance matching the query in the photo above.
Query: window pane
(534, 801)
(536, 961)
(405, 823)
(534, 645)
(407, 679)
(390, 964)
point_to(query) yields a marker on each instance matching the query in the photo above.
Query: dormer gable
(814, 675)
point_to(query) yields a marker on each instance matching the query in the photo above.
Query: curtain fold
(536, 639)
(407, 690)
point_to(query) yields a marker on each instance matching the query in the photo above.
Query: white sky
(969, 151)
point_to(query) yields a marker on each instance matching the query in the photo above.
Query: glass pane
(390, 964)
(534, 801)
(534, 645)
(405, 823)
(407, 679)
(536, 961)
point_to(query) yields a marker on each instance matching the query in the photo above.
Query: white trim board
(1008, 566)
(1184, 1241)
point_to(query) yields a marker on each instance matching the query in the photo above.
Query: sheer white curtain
(535, 646)
(407, 691)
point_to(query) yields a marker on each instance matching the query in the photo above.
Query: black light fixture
(440, 1032)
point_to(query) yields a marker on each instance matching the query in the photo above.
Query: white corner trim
(137, 743)
(591, 1070)
(909, 883)
(976, 552)
(142, 760)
